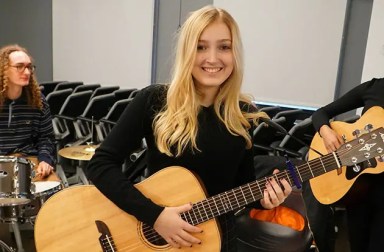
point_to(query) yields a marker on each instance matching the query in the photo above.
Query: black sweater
(367, 95)
(222, 164)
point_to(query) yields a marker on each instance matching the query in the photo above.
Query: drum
(15, 180)
(12, 209)
(41, 191)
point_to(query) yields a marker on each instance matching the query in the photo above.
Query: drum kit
(22, 195)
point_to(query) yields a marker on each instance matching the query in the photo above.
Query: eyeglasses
(21, 68)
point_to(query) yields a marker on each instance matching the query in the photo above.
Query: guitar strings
(241, 197)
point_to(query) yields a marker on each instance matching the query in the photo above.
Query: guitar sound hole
(151, 237)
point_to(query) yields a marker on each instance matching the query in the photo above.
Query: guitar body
(332, 187)
(66, 222)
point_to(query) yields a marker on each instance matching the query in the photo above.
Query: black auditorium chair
(292, 116)
(259, 236)
(56, 100)
(104, 90)
(263, 236)
(68, 84)
(96, 109)
(63, 125)
(265, 137)
(48, 86)
(271, 111)
(85, 87)
(297, 141)
(123, 93)
(105, 124)
(134, 93)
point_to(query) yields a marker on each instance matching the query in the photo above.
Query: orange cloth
(280, 215)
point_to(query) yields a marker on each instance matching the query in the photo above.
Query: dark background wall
(29, 24)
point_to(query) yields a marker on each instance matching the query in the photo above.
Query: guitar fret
(321, 161)
(298, 172)
(209, 205)
(310, 169)
(250, 190)
(229, 202)
(194, 213)
(199, 213)
(234, 194)
(205, 212)
(257, 183)
(214, 201)
(241, 190)
(221, 200)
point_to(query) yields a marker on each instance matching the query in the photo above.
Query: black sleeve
(105, 168)
(351, 100)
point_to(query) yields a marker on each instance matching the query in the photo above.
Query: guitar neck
(243, 195)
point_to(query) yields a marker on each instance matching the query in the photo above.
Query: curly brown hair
(32, 90)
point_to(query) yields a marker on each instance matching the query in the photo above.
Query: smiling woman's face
(214, 58)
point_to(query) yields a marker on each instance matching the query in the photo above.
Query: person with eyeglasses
(25, 119)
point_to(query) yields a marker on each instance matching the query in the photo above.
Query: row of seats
(292, 138)
(84, 112)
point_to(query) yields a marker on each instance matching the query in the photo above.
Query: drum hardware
(5, 247)
(79, 152)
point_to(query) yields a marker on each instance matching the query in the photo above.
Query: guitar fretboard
(243, 195)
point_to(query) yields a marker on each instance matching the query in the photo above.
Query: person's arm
(349, 101)
(274, 194)
(320, 118)
(105, 167)
(46, 140)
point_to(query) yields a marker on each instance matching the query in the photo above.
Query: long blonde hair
(33, 92)
(176, 125)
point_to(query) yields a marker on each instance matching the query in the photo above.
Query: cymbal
(80, 152)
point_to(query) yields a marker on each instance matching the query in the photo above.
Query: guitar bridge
(106, 241)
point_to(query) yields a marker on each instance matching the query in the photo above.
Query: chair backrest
(65, 85)
(123, 93)
(105, 124)
(99, 106)
(296, 143)
(75, 104)
(48, 86)
(63, 123)
(265, 137)
(56, 100)
(134, 93)
(104, 90)
(85, 87)
(117, 109)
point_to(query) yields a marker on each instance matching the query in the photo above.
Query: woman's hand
(274, 195)
(332, 141)
(44, 169)
(176, 231)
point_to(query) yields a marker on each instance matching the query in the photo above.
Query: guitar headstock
(362, 148)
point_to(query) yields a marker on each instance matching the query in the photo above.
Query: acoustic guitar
(80, 218)
(333, 186)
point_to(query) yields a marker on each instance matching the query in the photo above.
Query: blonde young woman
(200, 121)
(25, 118)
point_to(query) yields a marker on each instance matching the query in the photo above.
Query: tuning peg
(356, 168)
(368, 127)
(356, 133)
